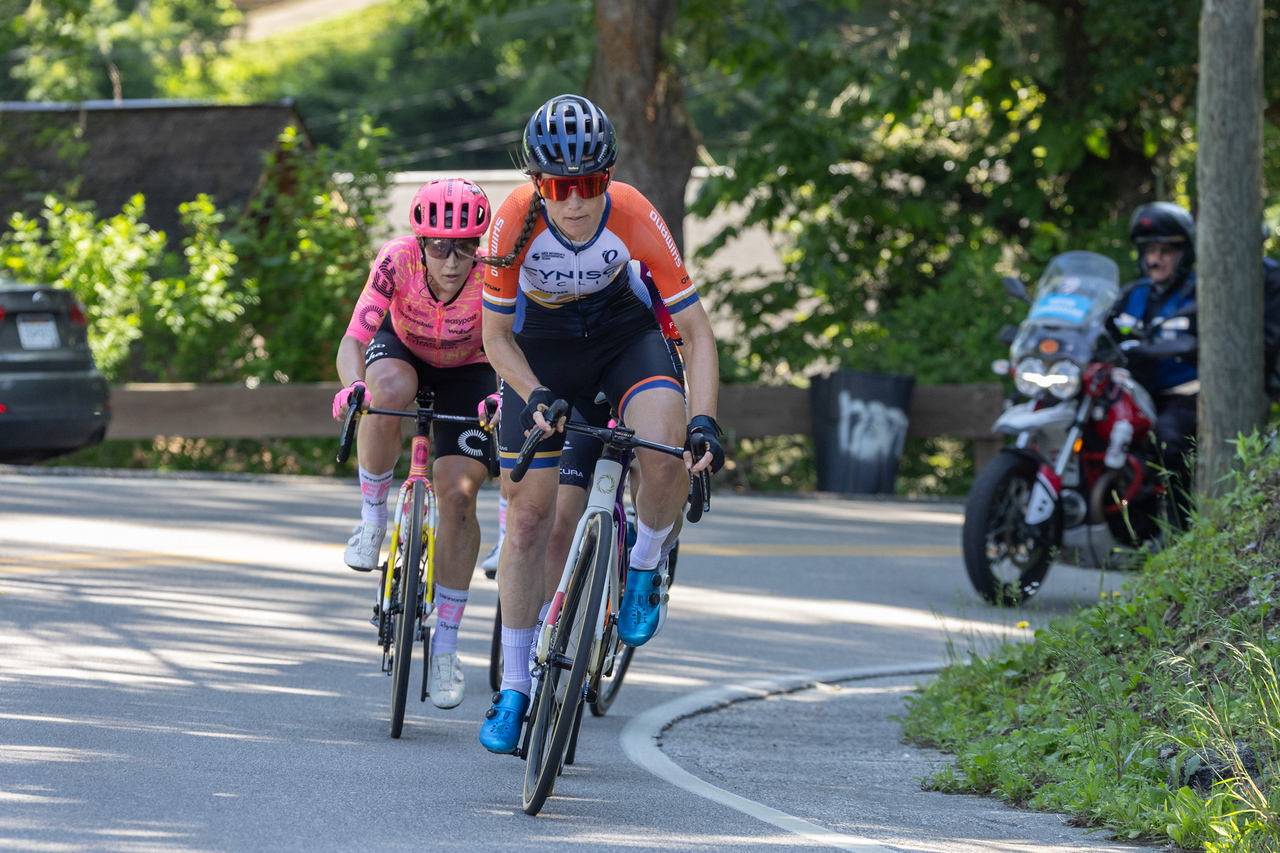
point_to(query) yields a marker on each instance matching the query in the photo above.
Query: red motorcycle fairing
(1044, 495)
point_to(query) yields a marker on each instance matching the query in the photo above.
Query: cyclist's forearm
(505, 354)
(350, 360)
(701, 362)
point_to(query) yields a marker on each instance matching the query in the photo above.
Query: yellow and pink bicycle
(406, 594)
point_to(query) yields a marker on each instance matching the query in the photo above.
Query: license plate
(38, 331)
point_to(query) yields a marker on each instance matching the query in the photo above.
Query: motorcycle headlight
(1066, 380)
(1029, 376)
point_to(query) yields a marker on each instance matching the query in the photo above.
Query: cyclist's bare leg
(531, 507)
(634, 477)
(658, 414)
(393, 384)
(457, 481)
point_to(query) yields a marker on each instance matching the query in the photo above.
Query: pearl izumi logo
(471, 442)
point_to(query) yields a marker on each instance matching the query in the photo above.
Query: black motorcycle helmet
(569, 135)
(1164, 222)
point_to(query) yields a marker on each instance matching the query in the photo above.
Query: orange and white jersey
(557, 289)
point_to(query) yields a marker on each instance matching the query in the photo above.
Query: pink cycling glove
(343, 397)
(494, 400)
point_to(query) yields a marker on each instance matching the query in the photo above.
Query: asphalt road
(186, 665)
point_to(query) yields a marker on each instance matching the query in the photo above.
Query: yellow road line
(131, 559)
(746, 550)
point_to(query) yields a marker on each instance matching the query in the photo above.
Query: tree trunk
(1229, 240)
(639, 88)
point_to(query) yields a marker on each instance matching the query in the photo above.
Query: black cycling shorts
(455, 390)
(576, 369)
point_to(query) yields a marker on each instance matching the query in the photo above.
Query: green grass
(1075, 721)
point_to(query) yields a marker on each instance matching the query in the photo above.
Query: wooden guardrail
(302, 410)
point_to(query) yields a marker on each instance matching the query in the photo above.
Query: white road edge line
(640, 743)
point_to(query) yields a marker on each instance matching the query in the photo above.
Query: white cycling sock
(648, 548)
(502, 520)
(449, 606)
(375, 488)
(515, 658)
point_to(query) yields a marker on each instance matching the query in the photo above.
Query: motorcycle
(1078, 483)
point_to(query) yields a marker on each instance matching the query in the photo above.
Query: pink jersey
(443, 334)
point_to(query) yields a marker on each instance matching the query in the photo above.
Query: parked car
(53, 400)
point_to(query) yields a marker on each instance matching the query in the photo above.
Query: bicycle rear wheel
(609, 687)
(560, 688)
(409, 568)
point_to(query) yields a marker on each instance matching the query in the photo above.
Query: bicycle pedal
(591, 696)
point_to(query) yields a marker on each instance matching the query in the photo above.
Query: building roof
(169, 150)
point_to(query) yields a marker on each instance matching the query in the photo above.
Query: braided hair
(530, 220)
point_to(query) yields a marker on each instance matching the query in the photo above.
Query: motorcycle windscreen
(1076, 291)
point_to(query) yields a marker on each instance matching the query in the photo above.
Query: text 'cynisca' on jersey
(442, 334)
(558, 290)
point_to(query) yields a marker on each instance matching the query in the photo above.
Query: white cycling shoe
(446, 683)
(490, 563)
(364, 547)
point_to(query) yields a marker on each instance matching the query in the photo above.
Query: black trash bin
(859, 426)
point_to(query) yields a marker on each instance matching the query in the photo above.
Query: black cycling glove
(540, 399)
(706, 428)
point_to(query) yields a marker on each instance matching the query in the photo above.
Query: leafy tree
(77, 50)
(906, 162)
(266, 299)
(114, 266)
(307, 242)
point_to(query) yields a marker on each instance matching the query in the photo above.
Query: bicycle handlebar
(699, 484)
(354, 411)
(525, 458)
(356, 400)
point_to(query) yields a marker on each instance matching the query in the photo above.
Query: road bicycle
(408, 573)
(578, 643)
(611, 680)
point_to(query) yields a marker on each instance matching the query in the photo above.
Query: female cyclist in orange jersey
(561, 321)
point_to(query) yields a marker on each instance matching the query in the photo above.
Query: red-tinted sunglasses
(441, 247)
(588, 186)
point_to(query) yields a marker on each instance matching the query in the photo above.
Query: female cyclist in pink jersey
(560, 321)
(417, 325)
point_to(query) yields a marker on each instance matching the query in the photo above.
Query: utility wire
(447, 94)
(481, 144)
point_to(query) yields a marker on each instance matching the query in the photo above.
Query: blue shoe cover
(500, 731)
(638, 615)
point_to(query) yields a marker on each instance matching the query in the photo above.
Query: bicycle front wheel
(560, 689)
(409, 568)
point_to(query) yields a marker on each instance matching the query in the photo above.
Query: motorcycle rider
(1155, 321)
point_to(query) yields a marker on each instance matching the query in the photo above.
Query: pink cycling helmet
(449, 207)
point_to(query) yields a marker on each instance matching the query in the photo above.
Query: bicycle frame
(608, 480)
(421, 453)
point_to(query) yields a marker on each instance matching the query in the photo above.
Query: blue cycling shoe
(639, 615)
(500, 731)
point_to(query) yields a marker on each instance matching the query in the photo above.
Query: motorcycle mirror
(1007, 334)
(1015, 288)
(1001, 367)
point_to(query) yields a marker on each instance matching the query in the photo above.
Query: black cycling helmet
(569, 135)
(1164, 222)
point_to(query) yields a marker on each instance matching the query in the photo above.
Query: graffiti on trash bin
(871, 430)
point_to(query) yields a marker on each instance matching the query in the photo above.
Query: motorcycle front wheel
(1006, 558)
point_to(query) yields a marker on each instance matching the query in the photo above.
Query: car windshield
(1075, 292)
